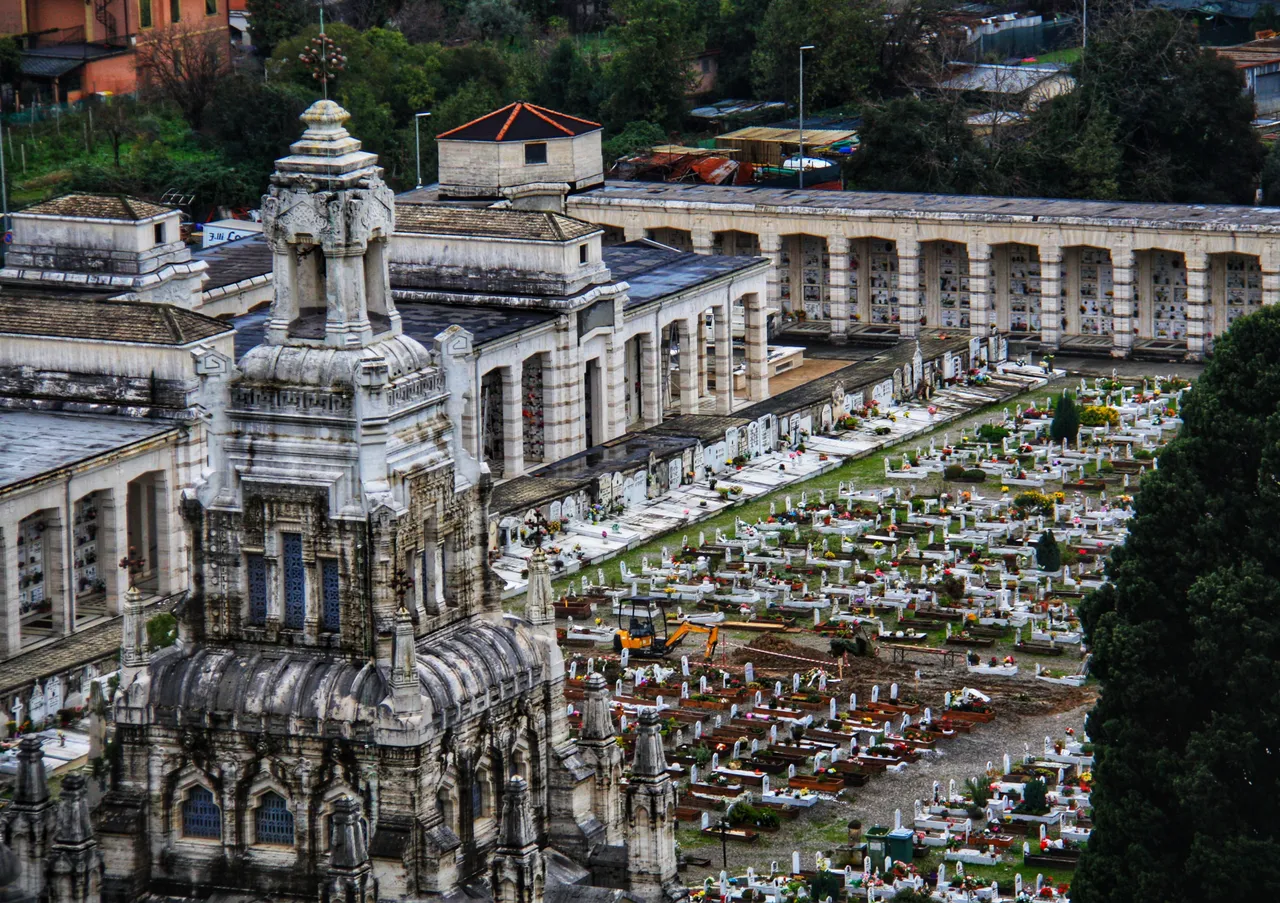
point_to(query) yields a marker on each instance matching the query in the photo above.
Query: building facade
(1107, 277)
(348, 713)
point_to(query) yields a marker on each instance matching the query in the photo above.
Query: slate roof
(521, 122)
(103, 321)
(522, 493)
(40, 442)
(528, 225)
(654, 271)
(99, 206)
(753, 200)
(460, 671)
(236, 261)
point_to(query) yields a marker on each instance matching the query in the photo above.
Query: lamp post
(724, 827)
(417, 141)
(803, 48)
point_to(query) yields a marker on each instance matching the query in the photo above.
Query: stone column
(1270, 262)
(562, 384)
(1050, 297)
(615, 376)
(650, 400)
(10, 626)
(771, 250)
(687, 330)
(1122, 266)
(700, 342)
(703, 241)
(113, 544)
(757, 346)
(908, 287)
(981, 312)
(166, 538)
(1199, 309)
(724, 359)
(512, 421)
(838, 288)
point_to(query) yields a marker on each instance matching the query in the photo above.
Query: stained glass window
(295, 581)
(477, 796)
(200, 815)
(272, 820)
(332, 613)
(257, 569)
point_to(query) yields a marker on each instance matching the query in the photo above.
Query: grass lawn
(1003, 873)
(865, 471)
(1067, 55)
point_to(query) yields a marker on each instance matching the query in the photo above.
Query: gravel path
(823, 826)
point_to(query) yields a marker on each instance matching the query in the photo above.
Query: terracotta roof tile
(530, 225)
(104, 321)
(99, 206)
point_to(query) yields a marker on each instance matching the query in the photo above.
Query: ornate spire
(347, 847)
(74, 825)
(135, 651)
(32, 790)
(517, 820)
(650, 761)
(597, 715)
(406, 693)
(539, 607)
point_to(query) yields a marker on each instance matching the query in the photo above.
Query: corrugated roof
(48, 67)
(996, 79)
(812, 137)
(521, 122)
(99, 206)
(105, 321)
(530, 225)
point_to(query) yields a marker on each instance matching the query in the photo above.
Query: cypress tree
(1186, 646)
(1066, 418)
(1048, 555)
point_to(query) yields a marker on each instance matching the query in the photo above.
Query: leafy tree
(570, 82)
(636, 137)
(1066, 418)
(10, 61)
(496, 19)
(1270, 177)
(1185, 643)
(916, 145)
(255, 122)
(1048, 553)
(649, 73)
(1181, 122)
(162, 630)
(274, 21)
(184, 66)
(733, 29)
(861, 48)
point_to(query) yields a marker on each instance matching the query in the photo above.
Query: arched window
(201, 816)
(272, 820)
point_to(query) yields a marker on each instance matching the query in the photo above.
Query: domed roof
(326, 367)
(461, 671)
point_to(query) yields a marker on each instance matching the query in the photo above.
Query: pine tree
(1048, 555)
(1066, 418)
(1186, 640)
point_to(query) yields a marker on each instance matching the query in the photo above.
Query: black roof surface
(521, 122)
(236, 261)
(654, 271)
(421, 320)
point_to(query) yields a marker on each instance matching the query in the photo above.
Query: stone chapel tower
(346, 700)
(650, 816)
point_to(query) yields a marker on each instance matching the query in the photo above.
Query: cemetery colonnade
(1104, 276)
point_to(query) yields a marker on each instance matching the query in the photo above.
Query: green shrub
(953, 472)
(975, 476)
(989, 432)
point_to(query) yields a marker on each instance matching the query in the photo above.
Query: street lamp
(803, 48)
(417, 141)
(724, 827)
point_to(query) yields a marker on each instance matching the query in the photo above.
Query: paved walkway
(688, 505)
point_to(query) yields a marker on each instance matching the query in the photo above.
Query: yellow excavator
(645, 636)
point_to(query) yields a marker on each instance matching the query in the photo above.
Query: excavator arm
(677, 636)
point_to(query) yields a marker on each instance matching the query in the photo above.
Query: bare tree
(118, 118)
(184, 66)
